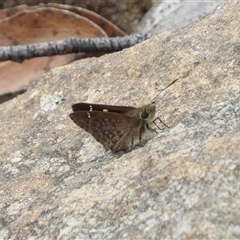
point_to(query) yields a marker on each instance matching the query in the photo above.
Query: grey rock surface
(167, 15)
(56, 181)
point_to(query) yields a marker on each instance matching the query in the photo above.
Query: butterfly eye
(144, 115)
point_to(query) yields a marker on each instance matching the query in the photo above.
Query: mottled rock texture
(183, 183)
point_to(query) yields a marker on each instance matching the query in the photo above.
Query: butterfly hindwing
(110, 129)
(81, 119)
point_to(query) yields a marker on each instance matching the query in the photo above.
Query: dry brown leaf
(8, 12)
(111, 29)
(45, 24)
(52, 22)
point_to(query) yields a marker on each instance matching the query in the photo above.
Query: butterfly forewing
(100, 107)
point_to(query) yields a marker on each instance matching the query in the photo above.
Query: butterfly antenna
(158, 118)
(170, 84)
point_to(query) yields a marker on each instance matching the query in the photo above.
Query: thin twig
(71, 45)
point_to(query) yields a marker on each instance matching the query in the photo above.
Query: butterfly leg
(140, 135)
(158, 118)
(132, 140)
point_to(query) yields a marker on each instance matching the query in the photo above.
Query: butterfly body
(115, 127)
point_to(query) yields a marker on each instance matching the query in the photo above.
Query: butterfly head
(147, 112)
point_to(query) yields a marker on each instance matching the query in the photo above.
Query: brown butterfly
(115, 127)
